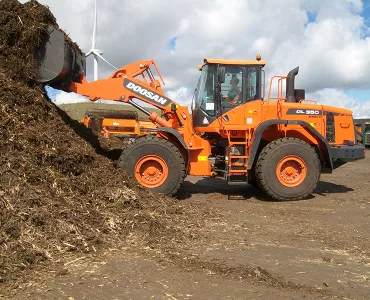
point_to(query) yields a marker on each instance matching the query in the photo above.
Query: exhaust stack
(290, 97)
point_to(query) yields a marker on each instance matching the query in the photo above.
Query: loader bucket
(58, 62)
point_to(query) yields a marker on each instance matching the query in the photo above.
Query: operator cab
(224, 85)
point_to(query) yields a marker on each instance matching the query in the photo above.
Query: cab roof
(232, 62)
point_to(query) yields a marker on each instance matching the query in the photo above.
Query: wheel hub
(151, 171)
(291, 171)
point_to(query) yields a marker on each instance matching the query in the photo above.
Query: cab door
(232, 96)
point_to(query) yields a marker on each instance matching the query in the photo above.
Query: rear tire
(288, 169)
(155, 164)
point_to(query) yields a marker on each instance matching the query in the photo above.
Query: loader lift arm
(135, 80)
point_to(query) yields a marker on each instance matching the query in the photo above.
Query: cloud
(339, 98)
(327, 39)
(181, 95)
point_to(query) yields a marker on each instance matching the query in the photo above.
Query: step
(237, 182)
(239, 166)
(238, 171)
(237, 143)
(238, 156)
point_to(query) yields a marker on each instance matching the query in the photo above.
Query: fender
(177, 136)
(261, 128)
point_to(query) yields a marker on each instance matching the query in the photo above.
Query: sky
(328, 39)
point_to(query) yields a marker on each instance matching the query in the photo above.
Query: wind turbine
(95, 52)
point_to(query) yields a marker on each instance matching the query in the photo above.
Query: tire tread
(150, 138)
(271, 148)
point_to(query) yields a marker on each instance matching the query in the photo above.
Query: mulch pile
(59, 193)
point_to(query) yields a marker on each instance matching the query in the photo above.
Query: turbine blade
(98, 55)
(88, 53)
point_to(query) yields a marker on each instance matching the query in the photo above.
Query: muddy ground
(249, 249)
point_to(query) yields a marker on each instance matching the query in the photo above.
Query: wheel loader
(280, 142)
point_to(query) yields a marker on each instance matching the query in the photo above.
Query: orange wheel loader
(281, 143)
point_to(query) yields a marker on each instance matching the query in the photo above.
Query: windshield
(204, 94)
(195, 96)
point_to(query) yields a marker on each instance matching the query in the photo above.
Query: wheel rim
(151, 171)
(291, 171)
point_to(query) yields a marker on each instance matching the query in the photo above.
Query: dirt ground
(250, 249)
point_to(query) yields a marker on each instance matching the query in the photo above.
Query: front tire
(288, 169)
(155, 164)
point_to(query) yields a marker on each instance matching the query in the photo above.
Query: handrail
(280, 88)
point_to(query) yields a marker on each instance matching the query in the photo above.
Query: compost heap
(57, 195)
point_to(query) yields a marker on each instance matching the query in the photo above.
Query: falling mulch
(59, 192)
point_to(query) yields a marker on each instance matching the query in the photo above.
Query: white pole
(96, 74)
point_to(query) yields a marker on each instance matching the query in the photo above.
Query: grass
(76, 111)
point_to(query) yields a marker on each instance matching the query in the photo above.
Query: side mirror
(221, 74)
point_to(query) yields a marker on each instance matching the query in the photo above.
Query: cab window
(253, 89)
(232, 88)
